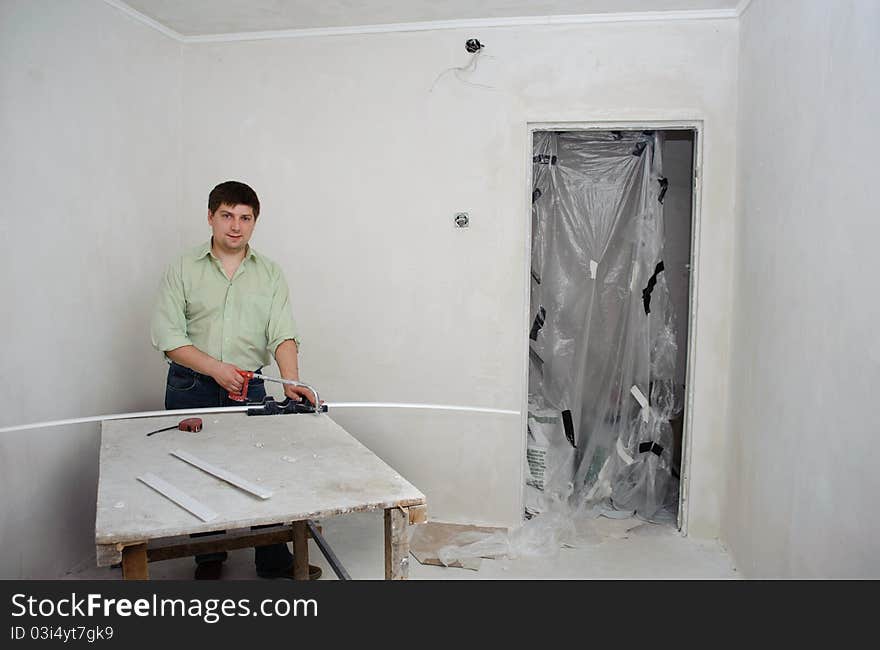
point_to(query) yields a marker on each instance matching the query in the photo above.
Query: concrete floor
(614, 549)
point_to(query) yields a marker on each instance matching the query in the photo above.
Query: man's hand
(227, 376)
(298, 393)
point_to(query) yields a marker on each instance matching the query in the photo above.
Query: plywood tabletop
(313, 467)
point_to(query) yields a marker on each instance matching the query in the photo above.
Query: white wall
(89, 125)
(360, 167)
(803, 455)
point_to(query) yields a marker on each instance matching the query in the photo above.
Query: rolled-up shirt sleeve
(281, 324)
(168, 324)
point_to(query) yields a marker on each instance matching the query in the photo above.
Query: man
(223, 307)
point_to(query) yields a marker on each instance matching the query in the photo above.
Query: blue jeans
(187, 389)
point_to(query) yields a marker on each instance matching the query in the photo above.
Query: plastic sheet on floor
(542, 536)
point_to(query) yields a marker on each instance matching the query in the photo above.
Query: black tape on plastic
(537, 193)
(544, 159)
(664, 185)
(650, 446)
(537, 324)
(568, 425)
(646, 292)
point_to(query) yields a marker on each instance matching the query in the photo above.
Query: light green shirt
(238, 321)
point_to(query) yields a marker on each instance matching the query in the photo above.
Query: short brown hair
(233, 193)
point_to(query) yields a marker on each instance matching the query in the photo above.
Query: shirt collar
(205, 250)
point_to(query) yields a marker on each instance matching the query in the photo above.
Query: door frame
(693, 284)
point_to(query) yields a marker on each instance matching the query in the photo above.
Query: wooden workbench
(314, 468)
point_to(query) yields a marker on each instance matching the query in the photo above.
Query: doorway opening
(610, 314)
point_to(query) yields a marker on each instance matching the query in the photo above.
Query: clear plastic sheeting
(603, 351)
(550, 458)
(542, 536)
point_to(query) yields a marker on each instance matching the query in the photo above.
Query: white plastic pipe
(436, 407)
(240, 409)
(122, 416)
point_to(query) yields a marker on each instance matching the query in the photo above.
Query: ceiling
(190, 18)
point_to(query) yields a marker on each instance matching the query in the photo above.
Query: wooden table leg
(300, 551)
(134, 562)
(396, 544)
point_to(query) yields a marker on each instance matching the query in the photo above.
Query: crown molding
(480, 23)
(742, 7)
(146, 20)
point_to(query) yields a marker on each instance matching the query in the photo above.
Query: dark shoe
(209, 570)
(315, 572)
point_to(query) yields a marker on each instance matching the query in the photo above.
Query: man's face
(232, 226)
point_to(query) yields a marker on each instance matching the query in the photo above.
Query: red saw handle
(242, 396)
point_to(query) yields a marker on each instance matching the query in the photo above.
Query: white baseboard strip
(179, 497)
(222, 474)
